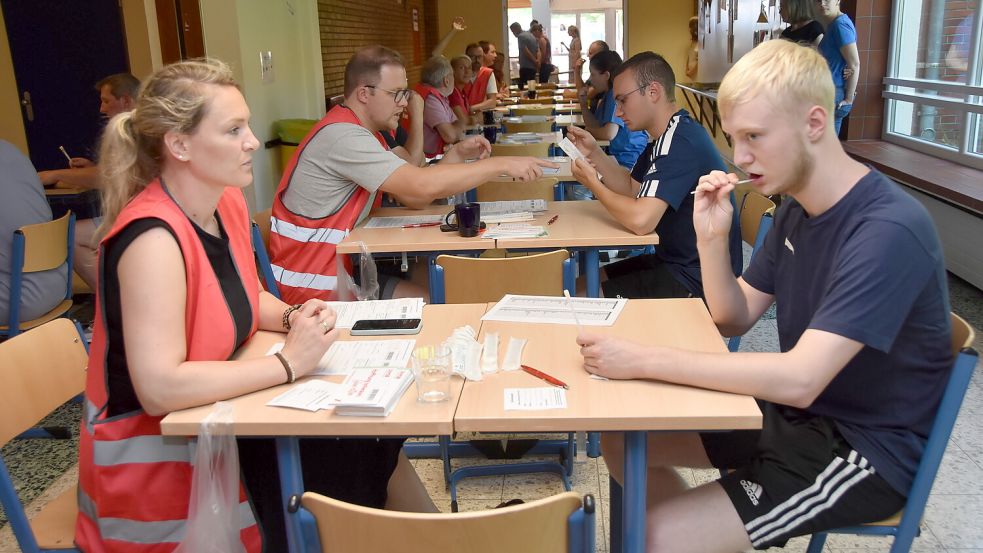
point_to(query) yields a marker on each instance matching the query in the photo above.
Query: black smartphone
(373, 327)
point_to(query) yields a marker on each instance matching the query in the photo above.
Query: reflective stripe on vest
(303, 250)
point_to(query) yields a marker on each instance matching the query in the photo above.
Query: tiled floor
(952, 521)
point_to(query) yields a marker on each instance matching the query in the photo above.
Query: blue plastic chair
(262, 257)
(561, 523)
(36, 248)
(757, 216)
(904, 526)
(43, 368)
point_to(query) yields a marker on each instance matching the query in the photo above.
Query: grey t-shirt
(526, 40)
(337, 160)
(22, 202)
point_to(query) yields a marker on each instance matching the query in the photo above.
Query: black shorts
(797, 476)
(642, 276)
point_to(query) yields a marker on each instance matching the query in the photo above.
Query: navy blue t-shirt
(669, 169)
(869, 268)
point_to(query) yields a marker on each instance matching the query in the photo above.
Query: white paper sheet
(535, 399)
(310, 395)
(350, 311)
(512, 206)
(343, 357)
(516, 230)
(554, 309)
(398, 222)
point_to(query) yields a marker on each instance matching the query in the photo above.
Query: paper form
(398, 222)
(343, 357)
(311, 395)
(515, 230)
(554, 309)
(535, 399)
(513, 206)
(350, 311)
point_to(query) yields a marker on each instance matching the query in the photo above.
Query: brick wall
(347, 25)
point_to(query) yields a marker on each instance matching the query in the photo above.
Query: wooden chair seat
(537, 110)
(55, 312)
(54, 526)
(537, 149)
(532, 126)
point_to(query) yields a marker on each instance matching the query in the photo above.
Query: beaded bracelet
(286, 315)
(291, 375)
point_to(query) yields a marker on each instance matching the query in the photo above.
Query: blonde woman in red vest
(178, 295)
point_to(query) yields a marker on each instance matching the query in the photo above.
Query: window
(933, 86)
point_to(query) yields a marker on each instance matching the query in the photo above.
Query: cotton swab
(745, 181)
(68, 157)
(576, 319)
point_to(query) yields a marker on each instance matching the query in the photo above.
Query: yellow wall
(484, 18)
(662, 27)
(236, 31)
(142, 40)
(11, 123)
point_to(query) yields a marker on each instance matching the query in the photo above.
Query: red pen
(421, 225)
(552, 219)
(543, 376)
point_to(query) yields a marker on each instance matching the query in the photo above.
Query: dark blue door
(60, 49)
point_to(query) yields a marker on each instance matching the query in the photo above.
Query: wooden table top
(410, 417)
(425, 239)
(580, 224)
(596, 405)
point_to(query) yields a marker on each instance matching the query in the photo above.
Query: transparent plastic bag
(368, 277)
(213, 512)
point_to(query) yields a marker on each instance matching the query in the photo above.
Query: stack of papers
(399, 222)
(516, 230)
(344, 357)
(310, 395)
(528, 119)
(512, 206)
(350, 311)
(521, 138)
(556, 309)
(371, 392)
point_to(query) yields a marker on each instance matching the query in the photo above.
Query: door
(60, 50)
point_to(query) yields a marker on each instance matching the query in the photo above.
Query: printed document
(515, 230)
(399, 222)
(350, 311)
(310, 395)
(343, 357)
(535, 399)
(554, 309)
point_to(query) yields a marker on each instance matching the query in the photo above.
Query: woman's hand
(311, 333)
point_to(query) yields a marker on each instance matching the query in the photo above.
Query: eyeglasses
(398, 95)
(620, 99)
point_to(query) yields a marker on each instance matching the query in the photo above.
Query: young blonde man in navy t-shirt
(855, 268)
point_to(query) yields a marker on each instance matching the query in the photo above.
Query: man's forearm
(616, 177)
(83, 177)
(414, 142)
(625, 209)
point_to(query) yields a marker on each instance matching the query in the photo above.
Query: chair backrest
(528, 126)
(753, 207)
(538, 149)
(261, 244)
(39, 247)
(545, 100)
(42, 369)
(547, 525)
(536, 110)
(533, 190)
(477, 280)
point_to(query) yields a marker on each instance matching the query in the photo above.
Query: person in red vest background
(463, 75)
(441, 127)
(483, 92)
(335, 175)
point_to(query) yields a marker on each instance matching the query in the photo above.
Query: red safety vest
(303, 251)
(134, 484)
(425, 91)
(477, 91)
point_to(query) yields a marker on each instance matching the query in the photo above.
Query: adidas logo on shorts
(753, 491)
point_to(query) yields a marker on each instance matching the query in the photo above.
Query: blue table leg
(592, 269)
(291, 483)
(614, 515)
(633, 497)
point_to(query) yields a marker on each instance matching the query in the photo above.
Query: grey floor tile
(763, 336)
(958, 475)
(955, 520)
(976, 455)
(968, 432)
(927, 542)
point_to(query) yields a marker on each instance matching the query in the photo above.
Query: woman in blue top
(839, 47)
(600, 120)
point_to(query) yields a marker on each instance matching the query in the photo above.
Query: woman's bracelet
(291, 375)
(286, 315)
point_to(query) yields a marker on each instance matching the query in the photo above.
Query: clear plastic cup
(432, 372)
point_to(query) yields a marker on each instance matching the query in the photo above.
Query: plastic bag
(368, 289)
(213, 512)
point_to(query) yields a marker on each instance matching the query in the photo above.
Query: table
(409, 418)
(586, 226)
(634, 407)
(410, 240)
(564, 174)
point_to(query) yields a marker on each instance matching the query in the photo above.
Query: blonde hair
(132, 148)
(791, 75)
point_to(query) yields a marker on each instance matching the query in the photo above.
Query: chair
(476, 280)
(561, 523)
(533, 110)
(499, 191)
(40, 247)
(43, 368)
(536, 149)
(757, 215)
(261, 245)
(532, 126)
(904, 526)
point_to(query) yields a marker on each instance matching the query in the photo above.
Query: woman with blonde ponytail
(178, 294)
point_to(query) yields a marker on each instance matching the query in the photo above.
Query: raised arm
(457, 25)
